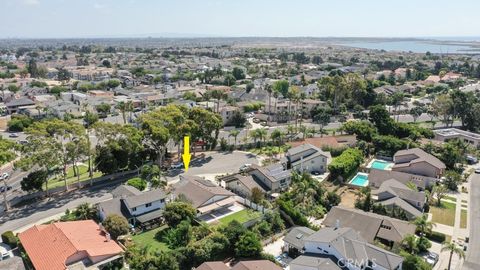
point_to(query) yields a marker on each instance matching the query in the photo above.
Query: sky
(238, 18)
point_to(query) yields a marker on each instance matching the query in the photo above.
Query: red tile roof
(50, 246)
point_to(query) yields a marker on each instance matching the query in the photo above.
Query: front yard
(71, 179)
(444, 214)
(149, 239)
(241, 216)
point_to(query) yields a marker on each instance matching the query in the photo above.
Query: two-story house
(417, 161)
(343, 248)
(393, 194)
(273, 178)
(307, 158)
(204, 195)
(137, 207)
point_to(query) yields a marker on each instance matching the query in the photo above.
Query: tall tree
(452, 248)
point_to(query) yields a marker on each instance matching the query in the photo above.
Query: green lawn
(241, 216)
(445, 214)
(148, 239)
(71, 179)
(450, 198)
(463, 219)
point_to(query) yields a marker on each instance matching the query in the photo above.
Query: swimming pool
(361, 180)
(380, 165)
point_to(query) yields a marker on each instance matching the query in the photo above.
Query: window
(134, 209)
(148, 204)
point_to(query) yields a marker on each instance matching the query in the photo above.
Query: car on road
(256, 120)
(176, 166)
(431, 258)
(477, 170)
(4, 176)
(13, 135)
(3, 188)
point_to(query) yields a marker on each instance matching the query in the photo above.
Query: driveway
(216, 163)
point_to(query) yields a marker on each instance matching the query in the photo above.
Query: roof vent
(337, 224)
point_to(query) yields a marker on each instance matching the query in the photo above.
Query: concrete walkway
(457, 233)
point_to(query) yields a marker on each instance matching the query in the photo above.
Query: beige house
(417, 161)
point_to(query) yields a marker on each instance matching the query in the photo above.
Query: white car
(176, 165)
(5, 251)
(4, 176)
(245, 167)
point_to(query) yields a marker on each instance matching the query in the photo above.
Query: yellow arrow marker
(186, 152)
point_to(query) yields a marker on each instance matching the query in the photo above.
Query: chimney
(337, 224)
(108, 237)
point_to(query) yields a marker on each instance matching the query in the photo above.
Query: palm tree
(234, 133)
(262, 134)
(85, 211)
(423, 225)
(452, 248)
(277, 136)
(410, 243)
(269, 90)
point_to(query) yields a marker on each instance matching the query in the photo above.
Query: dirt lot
(348, 198)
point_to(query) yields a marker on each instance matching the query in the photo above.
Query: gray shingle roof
(369, 225)
(198, 191)
(422, 156)
(144, 198)
(297, 235)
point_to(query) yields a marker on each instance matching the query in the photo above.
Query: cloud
(31, 2)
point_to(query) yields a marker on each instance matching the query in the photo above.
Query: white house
(307, 157)
(343, 248)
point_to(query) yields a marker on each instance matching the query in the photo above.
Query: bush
(345, 164)
(9, 238)
(116, 225)
(436, 237)
(19, 123)
(297, 217)
(137, 183)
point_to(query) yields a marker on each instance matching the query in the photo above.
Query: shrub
(9, 238)
(345, 164)
(437, 237)
(19, 123)
(137, 183)
(116, 225)
(297, 217)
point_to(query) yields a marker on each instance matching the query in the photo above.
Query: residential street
(40, 212)
(472, 261)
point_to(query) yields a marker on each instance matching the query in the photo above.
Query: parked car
(5, 252)
(244, 167)
(431, 258)
(477, 170)
(3, 188)
(471, 160)
(13, 135)
(4, 176)
(256, 120)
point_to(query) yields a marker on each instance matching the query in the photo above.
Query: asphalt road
(472, 261)
(214, 163)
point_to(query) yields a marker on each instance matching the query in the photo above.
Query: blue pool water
(360, 179)
(379, 165)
